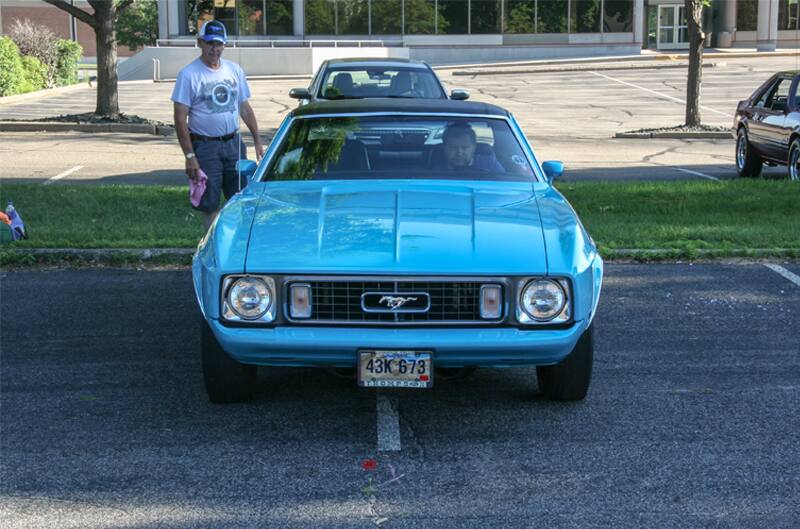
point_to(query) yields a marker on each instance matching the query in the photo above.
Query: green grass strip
(104, 216)
(721, 218)
(733, 218)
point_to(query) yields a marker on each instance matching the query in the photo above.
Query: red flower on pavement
(369, 464)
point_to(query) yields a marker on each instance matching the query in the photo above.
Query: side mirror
(246, 168)
(299, 93)
(553, 169)
(459, 94)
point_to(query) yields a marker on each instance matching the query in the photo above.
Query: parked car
(767, 127)
(364, 78)
(395, 237)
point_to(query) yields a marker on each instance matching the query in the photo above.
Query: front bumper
(452, 347)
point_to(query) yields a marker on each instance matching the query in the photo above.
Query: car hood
(397, 226)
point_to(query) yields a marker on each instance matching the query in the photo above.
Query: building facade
(656, 24)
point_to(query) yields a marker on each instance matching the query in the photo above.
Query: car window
(364, 82)
(394, 147)
(778, 97)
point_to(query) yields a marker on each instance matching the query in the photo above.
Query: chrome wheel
(741, 150)
(794, 160)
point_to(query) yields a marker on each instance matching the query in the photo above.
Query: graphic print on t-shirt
(220, 96)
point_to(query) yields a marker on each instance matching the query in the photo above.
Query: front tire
(748, 163)
(570, 379)
(226, 380)
(793, 163)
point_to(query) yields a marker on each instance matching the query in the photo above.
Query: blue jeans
(218, 160)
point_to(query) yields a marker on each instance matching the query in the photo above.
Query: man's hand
(259, 149)
(191, 168)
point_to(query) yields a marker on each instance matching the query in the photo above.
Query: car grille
(450, 301)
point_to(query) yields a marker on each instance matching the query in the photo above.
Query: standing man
(212, 93)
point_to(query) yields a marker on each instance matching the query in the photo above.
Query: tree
(103, 22)
(694, 19)
(137, 26)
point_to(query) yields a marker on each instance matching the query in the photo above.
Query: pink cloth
(197, 187)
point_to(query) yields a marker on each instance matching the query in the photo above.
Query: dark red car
(767, 127)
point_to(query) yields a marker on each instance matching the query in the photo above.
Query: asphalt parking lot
(569, 116)
(691, 420)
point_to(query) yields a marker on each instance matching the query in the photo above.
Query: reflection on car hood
(397, 226)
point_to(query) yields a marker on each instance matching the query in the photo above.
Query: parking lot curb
(100, 256)
(182, 256)
(704, 135)
(584, 68)
(59, 126)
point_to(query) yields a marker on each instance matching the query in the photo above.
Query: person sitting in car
(461, 150)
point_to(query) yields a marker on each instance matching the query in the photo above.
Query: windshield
(360, 82)
(409, 147)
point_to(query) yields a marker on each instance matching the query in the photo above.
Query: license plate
(395, 369)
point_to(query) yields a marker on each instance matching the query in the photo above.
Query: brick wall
(55, 19)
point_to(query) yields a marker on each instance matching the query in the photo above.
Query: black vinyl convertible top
(424, 106)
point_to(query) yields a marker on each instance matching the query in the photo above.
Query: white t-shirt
(213, 96)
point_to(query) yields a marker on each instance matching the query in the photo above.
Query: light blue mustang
(394, 237)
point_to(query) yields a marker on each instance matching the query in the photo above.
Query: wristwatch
(190, 155)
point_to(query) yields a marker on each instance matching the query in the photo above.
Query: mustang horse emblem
(395, 302)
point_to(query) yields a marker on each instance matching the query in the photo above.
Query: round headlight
(249, 297)
(543, 299)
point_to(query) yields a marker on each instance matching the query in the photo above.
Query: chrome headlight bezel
(229, 313)
(564, 315)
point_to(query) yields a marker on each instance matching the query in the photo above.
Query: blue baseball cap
(213, 30)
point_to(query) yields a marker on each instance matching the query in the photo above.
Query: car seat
(401, 84)
(342, 85)
(353, 157)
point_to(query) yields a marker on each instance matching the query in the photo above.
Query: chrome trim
(565, 316)
(400, 310)
(228, 314)
(310, 299)
(504, 282)
(741, 149)
(794, 160)
(492, 285)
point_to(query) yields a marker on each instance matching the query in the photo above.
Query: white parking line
(794, 278)
(388, 424)
(659, 94)
(696, 173)
(59, 176)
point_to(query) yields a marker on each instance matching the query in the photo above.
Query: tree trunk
(694, 16)
(106, 39)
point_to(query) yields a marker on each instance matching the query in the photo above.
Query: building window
(387, 17)
(746, 15)
(585, 16)
(520, 16)
(352, 17)
(484, 16)
(618, 16)
(252, 17)
(452, 17)
(788, 14)
(552, 16)
(320, 17)
(420, 17)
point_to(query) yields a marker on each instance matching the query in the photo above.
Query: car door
(792, 122)
(769, 116)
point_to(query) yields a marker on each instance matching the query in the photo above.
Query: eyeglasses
(214, 44)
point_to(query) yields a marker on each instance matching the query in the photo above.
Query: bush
(37, 41)
(69, 53)
(35, 74)
(11, 72)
